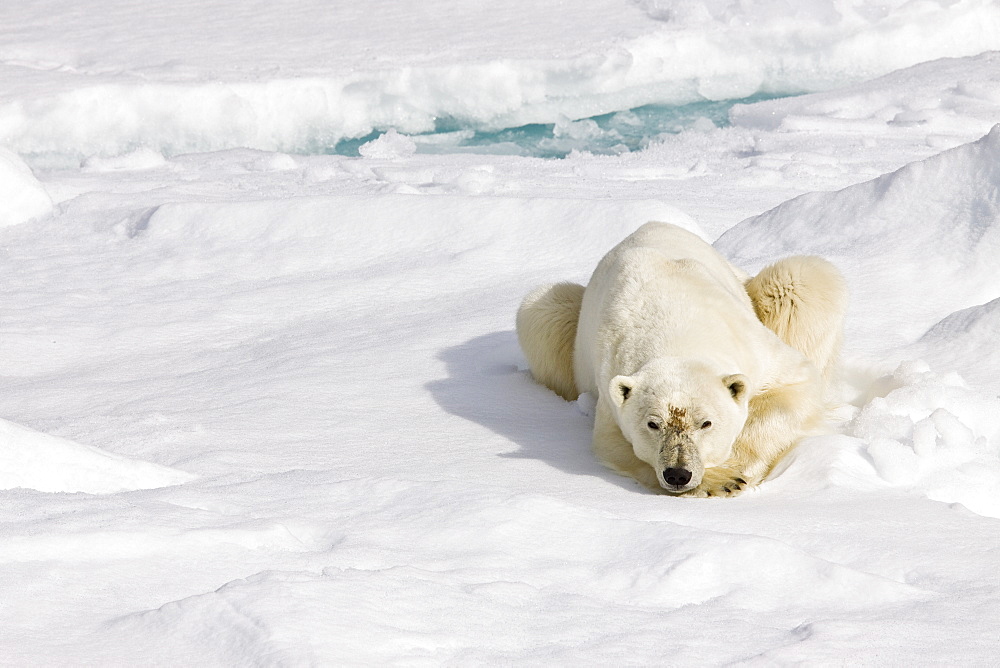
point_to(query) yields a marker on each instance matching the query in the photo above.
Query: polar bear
(704, 377)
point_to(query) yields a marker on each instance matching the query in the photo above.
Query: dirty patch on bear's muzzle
(680, 467)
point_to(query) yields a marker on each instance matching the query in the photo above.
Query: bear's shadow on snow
(488, 383)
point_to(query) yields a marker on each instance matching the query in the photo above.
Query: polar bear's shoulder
(689, 252)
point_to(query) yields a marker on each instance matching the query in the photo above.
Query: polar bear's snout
(676, 477)
(679, 467)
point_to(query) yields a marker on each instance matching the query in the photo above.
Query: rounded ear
(620, 389)
(738, 386)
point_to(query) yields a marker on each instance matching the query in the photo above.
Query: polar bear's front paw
(719, 481)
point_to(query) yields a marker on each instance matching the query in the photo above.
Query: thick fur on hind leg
(802, 299)
(546, 330)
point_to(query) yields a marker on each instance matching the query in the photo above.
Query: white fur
(802, 299)
(687, 378)
(546, 330)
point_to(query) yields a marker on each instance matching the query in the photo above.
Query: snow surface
(264, 406)
(199, 76)
(34, 460)
(24, 198)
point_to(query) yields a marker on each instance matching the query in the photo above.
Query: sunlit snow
(262, 403)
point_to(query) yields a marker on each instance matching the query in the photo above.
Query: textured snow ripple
(495, 571)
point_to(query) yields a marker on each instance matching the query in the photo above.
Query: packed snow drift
(263, 403)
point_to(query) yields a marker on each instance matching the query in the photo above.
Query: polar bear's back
(676, 243)
(660, 283)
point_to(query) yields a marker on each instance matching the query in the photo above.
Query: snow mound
(934, 434)
(824, 462)
(914, 243)
(966, 342)
(943, 97)
(389, 146)
(48, 463)
(22, 197)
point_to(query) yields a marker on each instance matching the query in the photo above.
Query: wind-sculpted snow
(965, 341)
(464, 594)
(933, 99)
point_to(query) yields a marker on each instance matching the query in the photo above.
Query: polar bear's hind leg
(802, 299)
(546, 330)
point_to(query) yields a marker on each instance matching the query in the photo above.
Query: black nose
(676, 477)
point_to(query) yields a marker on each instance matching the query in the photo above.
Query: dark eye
(706, 424)
(652, 425)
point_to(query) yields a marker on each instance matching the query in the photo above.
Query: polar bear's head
(681, 416)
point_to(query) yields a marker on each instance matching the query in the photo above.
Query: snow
(33, 460)
(202, 76)
(969, 329)
(943, 210)
(262, 404)
(24, 198)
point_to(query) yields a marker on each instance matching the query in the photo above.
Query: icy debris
(389, 146)
(932, 433)
(266, 93)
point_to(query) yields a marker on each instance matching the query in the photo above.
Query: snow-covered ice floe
(310, 435)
